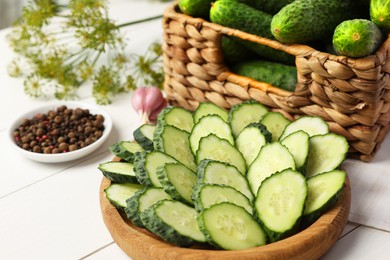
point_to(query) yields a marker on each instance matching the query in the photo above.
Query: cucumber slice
(118, 171)
(275, 123)
(206, 195)
(312, 125)
(208, 108)
(177, 117)
(280, 202)
(125, 150)
(244, 113)
(326, 153)
(323, 191)
(298, 145)
(146, 164)
(177, 181)
(273, 157)
(216, 172)
(118, 193)
(174, 142)
(143, 135)
(231, 227)
(210, 124)
(215, 148)
(173, 221)
(250, 140)
(141, 200)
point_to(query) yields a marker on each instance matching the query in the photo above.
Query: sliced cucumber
(231, 227)
(298, 145)
(178, 181)
(125, 150)
(173, 221)
(313, 125)
(208, 108)
(216, 172)
(323, 191)
(273, 157)
(206, 195)
(326, 153)
(118, 193)
(141, 200)
(118, 172)
(244, 113)
(215, 148)
(177, 117)
(210, 124)
(143, 135)
(174, 142)
(280, 202)
(250, 140)
(146, 164)
(275, 123)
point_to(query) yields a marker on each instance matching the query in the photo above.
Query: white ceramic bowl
(68, 156)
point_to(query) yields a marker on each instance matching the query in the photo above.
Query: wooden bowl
(311, 243)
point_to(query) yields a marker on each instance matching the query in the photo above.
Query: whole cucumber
(303, 21)
(231, 13)
(274, 73)
(195, 8)
(380, 14)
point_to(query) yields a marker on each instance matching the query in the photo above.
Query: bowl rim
(60, 157)
(310, 243)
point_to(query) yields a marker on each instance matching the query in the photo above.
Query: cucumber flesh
(231, 227)
(298, 145)
(275, 123)
(143, 135)
(125, 150)
(216, 172)
(141, 200)
(174, 142)
(210, 124)
(312, 125)
(244, 113)
(118, 171)
(208, 108)
(250, 140)
(273, 157)
(118, 193)
(177, 181)
(323, 190)
(280, 202)
(206, 195)
(173, 221)
(177, 117)
(146, 164)
(215, 148)
(326, 153)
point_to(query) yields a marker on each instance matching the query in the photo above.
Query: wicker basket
(352, 95)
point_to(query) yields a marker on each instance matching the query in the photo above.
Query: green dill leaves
(59, 48)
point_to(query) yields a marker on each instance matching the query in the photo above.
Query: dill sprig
(61, 47)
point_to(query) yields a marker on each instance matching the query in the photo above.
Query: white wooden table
(52, 211)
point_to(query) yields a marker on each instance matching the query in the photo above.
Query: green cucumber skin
(380, 14)
(234, 51)
(142, 140)
(271, 7)
(115, 177)
(140, 170)
(303, 21)
(357, 38)
(156, 225)
(231, 14)
(277, 74)
(196, 8)
(120, 151)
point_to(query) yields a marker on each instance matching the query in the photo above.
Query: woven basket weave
(352, 95)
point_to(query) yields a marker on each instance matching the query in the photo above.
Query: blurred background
(10, 11)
